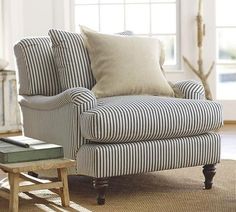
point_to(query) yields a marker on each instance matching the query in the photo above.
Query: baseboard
(229, 121)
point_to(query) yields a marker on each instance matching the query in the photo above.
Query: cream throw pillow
(125, 65)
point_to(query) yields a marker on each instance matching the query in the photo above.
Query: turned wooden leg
(209, 172)
(100, 184)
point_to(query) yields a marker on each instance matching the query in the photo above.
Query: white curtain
(24, 18)
(1, 29)
(10, 28)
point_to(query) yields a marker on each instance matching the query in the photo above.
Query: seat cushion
(108, 160)
(140, 118)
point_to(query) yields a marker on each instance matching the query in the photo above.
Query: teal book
(22, 149)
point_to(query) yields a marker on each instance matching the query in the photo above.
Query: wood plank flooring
(228, 141)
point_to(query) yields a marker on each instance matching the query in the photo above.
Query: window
(158, 18)
(226, 49)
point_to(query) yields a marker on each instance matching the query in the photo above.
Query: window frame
(169, 68)
(221, 64)
(218, 61)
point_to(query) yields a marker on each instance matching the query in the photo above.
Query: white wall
(37, 17)
(41, 15)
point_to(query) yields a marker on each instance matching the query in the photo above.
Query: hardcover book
(22, 149)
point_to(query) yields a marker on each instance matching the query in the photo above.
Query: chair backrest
(72, 59)
(37, 72)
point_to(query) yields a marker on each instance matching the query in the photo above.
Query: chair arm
(78, 96)
(55, 119)
(190, 89)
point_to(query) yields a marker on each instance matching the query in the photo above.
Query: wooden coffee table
(16, 175)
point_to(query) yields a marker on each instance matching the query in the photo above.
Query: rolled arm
(190, 89)
(78, 96)
(56, 119)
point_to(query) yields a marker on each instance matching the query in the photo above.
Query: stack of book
(22, 149)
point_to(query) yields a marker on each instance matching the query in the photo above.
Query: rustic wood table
(16, 175)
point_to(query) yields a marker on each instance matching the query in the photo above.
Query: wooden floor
(10, 134)
(228, 141)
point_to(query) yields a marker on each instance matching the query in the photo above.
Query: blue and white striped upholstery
(36, 67)
(139, 133)
(140, 118)
(56, 119)
(191, 89)
(72, 59)
(107, 160)
(79, 97)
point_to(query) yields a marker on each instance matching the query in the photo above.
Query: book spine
(35, 155)
(3, 157)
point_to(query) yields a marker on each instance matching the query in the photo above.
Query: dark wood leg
(100, 184)
(209, 172)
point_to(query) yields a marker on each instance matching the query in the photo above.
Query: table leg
(62, 176)
(14, 180)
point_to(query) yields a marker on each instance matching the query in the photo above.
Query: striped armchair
(112, 136)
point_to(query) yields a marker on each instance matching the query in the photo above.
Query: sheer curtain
(1, 29)
(27, 18)
(10, 28)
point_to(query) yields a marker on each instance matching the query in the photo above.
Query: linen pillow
(125, 65)
(72, 59)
